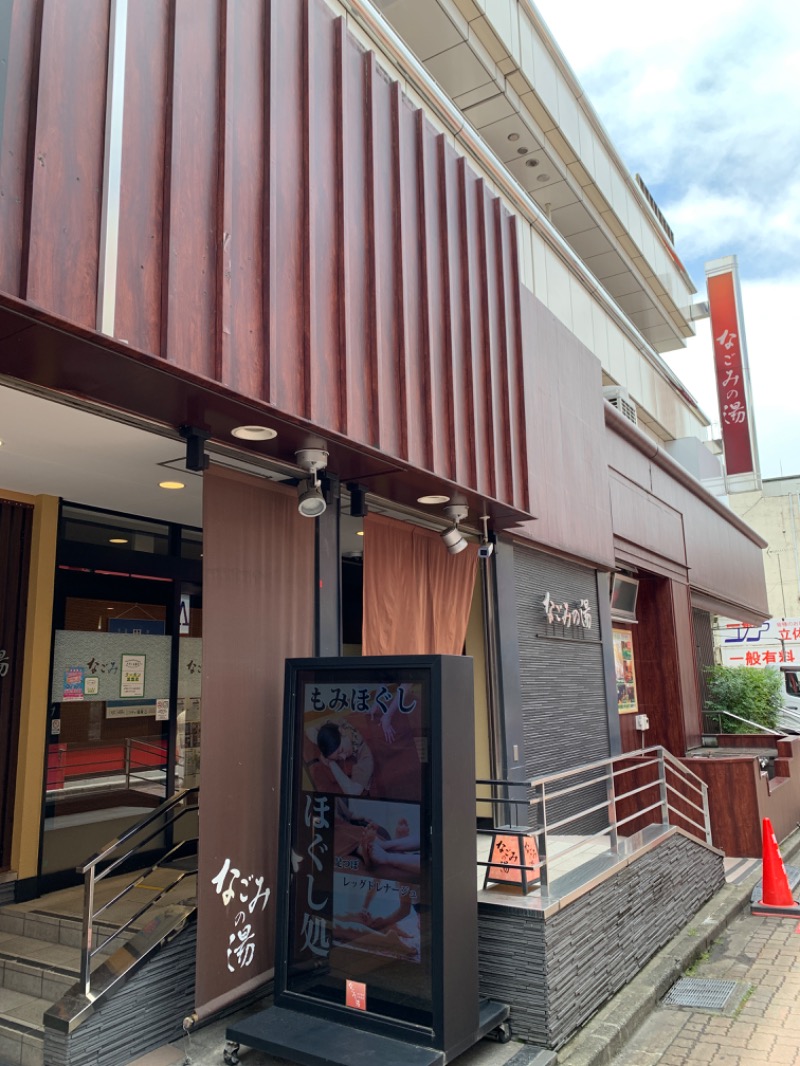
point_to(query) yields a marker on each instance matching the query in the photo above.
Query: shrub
(751, 693)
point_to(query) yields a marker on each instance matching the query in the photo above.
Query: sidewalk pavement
(722, 941)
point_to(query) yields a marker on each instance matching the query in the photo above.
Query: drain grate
(700, 992)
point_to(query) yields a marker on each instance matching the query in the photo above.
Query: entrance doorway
(124, 720)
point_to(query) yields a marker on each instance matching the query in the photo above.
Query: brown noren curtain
(258, 610)
(417, 596)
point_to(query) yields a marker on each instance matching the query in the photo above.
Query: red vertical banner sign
(730, 372)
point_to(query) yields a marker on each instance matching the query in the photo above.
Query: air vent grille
(619, 398)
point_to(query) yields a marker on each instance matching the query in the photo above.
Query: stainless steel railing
(574, 814)
(111, 858)
(756, 727)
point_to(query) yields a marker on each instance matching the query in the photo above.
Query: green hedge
(750, 692)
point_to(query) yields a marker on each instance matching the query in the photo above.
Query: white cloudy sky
(702, 98)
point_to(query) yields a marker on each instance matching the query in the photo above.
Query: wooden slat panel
(67, 175)
(458, 322)
(385, 255)
(288, 177)
(481, 338)
(291, 226)
(324, 236)
(242, 332)
(516, 435)
(16, 161)
(139, 265)
(415, 331)
(189, 312)
(440, 427)
(358, 296)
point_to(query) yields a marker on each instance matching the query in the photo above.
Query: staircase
(40, 951)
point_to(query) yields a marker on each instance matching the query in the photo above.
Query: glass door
(108, 752)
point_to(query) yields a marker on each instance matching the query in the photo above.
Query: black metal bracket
(196, 458)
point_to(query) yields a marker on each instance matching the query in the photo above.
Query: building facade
(391, 234)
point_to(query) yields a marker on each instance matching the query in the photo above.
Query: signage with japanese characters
(359, 922)
(731, 372)
(772, 643)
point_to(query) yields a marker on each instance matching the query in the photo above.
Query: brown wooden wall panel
(139, 265)
(358, 292)
(657, 512)
(436, 265)
(326, 324)
(290, 226)
(566, 438)
(66, 177)
(194, 149)
(16, 155)
(644, 521)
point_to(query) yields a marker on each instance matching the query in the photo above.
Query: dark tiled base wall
(7, 892)
(148, 1013)
(556, 972)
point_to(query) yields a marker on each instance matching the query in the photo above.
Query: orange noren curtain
(417, 596)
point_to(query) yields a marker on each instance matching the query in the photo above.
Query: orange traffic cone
(776, 895)
(775, 891)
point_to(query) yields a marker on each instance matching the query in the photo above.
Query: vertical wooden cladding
(141, 241)
(66, 163)
(290, 225)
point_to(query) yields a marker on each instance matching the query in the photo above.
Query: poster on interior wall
(73, 684)
(132, 681)
(625, 671)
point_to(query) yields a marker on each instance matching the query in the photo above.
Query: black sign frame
(448, 919)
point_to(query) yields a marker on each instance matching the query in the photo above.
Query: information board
(359, 917)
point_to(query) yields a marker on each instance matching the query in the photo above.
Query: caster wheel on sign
(231, 1054)
(503, 1033)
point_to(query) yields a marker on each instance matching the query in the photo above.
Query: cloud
(705, 108)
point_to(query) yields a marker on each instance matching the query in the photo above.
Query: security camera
(485, 550)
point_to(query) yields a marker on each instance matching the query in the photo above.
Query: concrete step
(21, 1029)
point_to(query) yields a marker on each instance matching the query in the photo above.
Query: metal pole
(706, 815)
(662, 786)
(86, 940)
(544, 869)
(612, 805)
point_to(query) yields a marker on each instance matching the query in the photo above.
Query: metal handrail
(756, 725)
(682, 801)
(169, 812)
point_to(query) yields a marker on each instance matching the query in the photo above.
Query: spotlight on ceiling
(310, 499)
(452, 537)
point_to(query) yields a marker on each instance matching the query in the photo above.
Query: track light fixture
(452, 537)
(310, 498)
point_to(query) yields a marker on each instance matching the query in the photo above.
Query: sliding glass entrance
(125, 696)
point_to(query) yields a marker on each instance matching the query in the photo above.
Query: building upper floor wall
(504, 74)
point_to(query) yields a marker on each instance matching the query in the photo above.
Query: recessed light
(531, 162)
(513, 136)
(433, 499)
(359, 532)
(522, 151)
(117, 540)
(171, 485)
(254, 433)
(542, 177)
